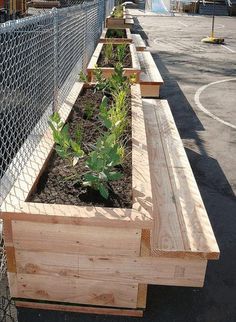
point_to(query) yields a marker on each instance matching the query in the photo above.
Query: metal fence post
(55, 59)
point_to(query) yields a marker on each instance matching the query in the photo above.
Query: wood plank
(76, 215)
(142, 296)
(193, 226)
(79, 309)
(150, 73)
(7, 233)
(11, 261)
(12, 282)
(138, 42)
(150, 90)
(119, 269)
(129, 21)
(80, 291)
(76, 239)
(167, 231)
(141, 182)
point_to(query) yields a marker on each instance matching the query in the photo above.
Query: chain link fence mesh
(40, 60)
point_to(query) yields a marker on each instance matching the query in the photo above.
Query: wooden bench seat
(181, 225)
(129, 21)
(150, 77)
(138, 42)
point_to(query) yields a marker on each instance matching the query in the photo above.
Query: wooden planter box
(120, 23)
(79, 255)
(62, 257)
(104, 40)
(108, 71)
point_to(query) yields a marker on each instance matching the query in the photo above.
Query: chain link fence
(40, 61)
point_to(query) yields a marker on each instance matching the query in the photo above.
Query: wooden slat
(119, 269)
(7, 233)
(11, 261)
(75, 239)
(79, 308)
(12, 282)
(80, 291)
(142, 296)
(76, 215)
(166, 224)
(141, 182)
(138, 42)
(129, 21)
(191, 234)
(150, 73)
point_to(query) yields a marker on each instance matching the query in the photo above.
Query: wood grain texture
(182, 227)
(7, 233)
(138, 42)
(80, 291)
(150, 73)
(79, 308)
(75, 239)
(141, 182)
(12, 282)
(118, 269)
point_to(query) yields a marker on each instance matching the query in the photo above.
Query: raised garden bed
(116, 36)
(52, 248)
(119, 22)
(59, 255)
(106, 63)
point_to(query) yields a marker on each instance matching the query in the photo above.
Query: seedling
(120, 52)
(89, 110)
(101, 163)
(108, 53)
(65, 147)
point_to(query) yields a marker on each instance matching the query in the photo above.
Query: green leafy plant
(115, 33)
(121, 52)
(83, 77)
(109, 150)
(108, 52)
(118, 12)
(89, 110)
(115, 118)
(65, 147)
(101, 164)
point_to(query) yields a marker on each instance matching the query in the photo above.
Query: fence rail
(40, 60)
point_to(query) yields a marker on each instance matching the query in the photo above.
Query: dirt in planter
(113, 60)
(116, 33)
(54, 187)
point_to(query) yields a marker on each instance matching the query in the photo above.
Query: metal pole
(213, 20)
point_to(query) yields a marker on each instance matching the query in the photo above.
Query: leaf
(77, 149)
(112, 176)
(90, 177)
(62, 152)
(55, 118)
(103, 191)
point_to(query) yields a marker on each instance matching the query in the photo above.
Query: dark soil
(116, 33)
(54, 187)
(127, 62)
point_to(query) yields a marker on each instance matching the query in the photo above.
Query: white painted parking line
(226, 47)
(203, 109)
